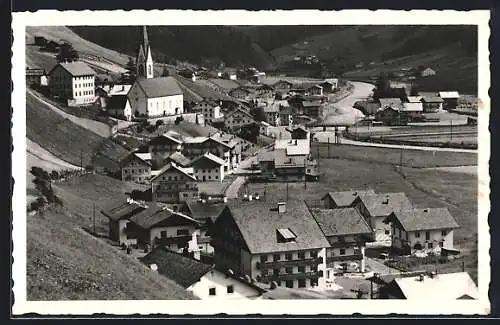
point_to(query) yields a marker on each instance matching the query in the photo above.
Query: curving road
(98, 128)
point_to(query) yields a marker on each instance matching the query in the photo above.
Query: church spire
(144, 56)
(145, 41)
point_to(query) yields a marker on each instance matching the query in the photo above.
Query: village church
(152, 97)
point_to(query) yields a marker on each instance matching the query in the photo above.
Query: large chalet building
(269, 242)
(174, 185)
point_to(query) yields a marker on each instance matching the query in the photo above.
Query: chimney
(385, 201)
(281, 207)
(250, 197)
(224, 199)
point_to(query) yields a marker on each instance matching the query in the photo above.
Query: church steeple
(144, 57)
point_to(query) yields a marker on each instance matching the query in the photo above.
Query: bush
(158, 123)
(54, 174)
(139, 129)
(151, 128)
(37, 171)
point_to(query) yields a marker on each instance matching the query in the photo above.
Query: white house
(119, 106)
(428, 72)
(156, 97)
(237, 118)
(208, 167)
(422, 230)
(73, 81)
(203, 280)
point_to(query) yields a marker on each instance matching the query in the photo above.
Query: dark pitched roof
(337, 222)
(207, 160)
(117, 102)
(258, 222)
(238, 110)
(122, 209)
(200, 211)
(426, 219)
(179, 159)
(134, 156)
(159, 87)
(377, 206)
(75, 68)
(432, 99)
(172, 165)
(154, 214)
(184, 270)
(345, 198)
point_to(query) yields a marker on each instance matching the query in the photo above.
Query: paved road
(97, 127)
(234, 187)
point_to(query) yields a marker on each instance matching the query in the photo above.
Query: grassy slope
(58, 33)
(424, 188)
(65, 262)
(58, 135)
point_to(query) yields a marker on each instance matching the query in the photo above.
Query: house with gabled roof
(450, 99)
(347, 232)
(179, 159)
(422, 230)
(237, 118)
(375, 208)
(174, 185)
(342, 199)
(74, 82)
(271, 242)
(431, 102)
(119, 214)
(158, 225)
(136, 168)
(156, 97)
(208, 167)
(203, 280)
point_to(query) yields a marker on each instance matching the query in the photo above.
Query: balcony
(342, 258)
(346, 244)
(278, 264)
(179, 240)
(292, 276)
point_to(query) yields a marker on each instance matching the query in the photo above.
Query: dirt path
(343, 111)
(38, 156)
(98, 128)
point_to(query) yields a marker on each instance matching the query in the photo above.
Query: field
(357, 168)
(58, 135)
(64, 262)
(390, 156)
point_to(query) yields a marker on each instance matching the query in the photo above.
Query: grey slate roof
(259, 220)
(122, 210)
(345, 198)
(375, 205)
(179, 159)
(201, 211)
(159, 87)
(76, 68)
(155, 213)
(337, 222)
(183, 270)
(426, 219)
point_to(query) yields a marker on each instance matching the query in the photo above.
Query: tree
(67, 53)
(130, 65)
(258, 114)
(165, 72)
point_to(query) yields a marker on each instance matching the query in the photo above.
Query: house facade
(173, 184)
(241, 93)
(237, 118)
(208, 167)
(74, 82)
(342, 199)
(422, 230)
(119, 106)
(431, 103)
(210, 110)
(156, 97)
(450, 99)
(136, 169)
(315, 90)
(119, 214)
(282, 86)
(271, 243)
(428, 72)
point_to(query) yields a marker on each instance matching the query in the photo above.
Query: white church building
(152, 97)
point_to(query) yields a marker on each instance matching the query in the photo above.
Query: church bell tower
(144, 57)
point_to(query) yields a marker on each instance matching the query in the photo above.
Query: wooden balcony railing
(292, 276)
(279, 264)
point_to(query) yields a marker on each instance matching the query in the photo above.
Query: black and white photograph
(239, 158)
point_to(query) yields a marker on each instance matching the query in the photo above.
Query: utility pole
(305, 172)
(287, 190)
(401, 158)
(451, 130)
(81, 159)
(329, 144)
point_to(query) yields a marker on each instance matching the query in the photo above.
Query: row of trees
(43, 181)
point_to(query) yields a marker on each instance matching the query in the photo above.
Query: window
(288, 257)
(211, 291)
(313, 254)
(443, 233)
(302, 255)
(289, 269)
(387, 232)
(185, 195)
(417, 235)
(342, 251)
(429, 245)
(341, 239)
(441, 244)
(263, 258)
(276, 257)
(230, 288)
(163, 234)
(302, 269)
(302, 283)
(182, 232)
(289, 283)
(427, 235)
(276, 271)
